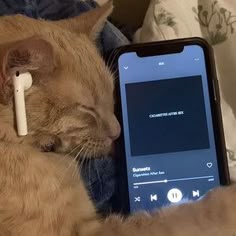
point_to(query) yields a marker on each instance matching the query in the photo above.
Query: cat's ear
(32, 54)
(90, 23)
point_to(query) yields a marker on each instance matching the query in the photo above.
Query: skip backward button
(153, 197)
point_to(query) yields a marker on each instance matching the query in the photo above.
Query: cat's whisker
(68, 154)
(81, 164)
(73, 150)
(75, 158)
(94, 153)
(113, 71)
(84, 159)
(67, 169)
(112, 66)
(76, 169)
(75, 164)
(109, 64)
(108, 61)
(112, 57)
(87, 161)
(78, 146)
(89, 168)
(114, 74)
(97, 169)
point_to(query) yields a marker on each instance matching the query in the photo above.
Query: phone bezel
(121, 198)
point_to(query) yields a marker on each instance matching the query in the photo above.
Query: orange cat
(70, 114)
(70, 109)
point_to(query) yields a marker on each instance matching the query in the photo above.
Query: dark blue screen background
(174, 131)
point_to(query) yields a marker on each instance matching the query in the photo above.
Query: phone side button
(215, 84)
(218, 90)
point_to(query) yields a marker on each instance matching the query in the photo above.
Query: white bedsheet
(214, 21)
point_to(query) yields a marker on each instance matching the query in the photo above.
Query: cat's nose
(114, 137)
(115, 131)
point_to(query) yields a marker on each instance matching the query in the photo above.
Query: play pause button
(174, 195)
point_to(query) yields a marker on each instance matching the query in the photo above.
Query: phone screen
(169, 139)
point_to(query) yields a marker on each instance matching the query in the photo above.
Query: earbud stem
(19, 82)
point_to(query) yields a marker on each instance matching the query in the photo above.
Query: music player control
(137, 199)
(153, 197)
(196, 193)
(174, 195)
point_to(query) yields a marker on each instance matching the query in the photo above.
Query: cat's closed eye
(87, 111)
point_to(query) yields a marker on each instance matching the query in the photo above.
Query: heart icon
(209, 165)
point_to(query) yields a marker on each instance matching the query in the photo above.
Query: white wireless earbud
(21, 83)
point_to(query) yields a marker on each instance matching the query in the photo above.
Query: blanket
(214, 20)
(99, 175)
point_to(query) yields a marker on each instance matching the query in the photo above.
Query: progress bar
(172, 180)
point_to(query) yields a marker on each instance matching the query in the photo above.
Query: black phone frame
(121, 198)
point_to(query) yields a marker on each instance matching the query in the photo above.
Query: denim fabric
(99, 174)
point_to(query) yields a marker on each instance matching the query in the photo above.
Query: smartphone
(172, 147)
